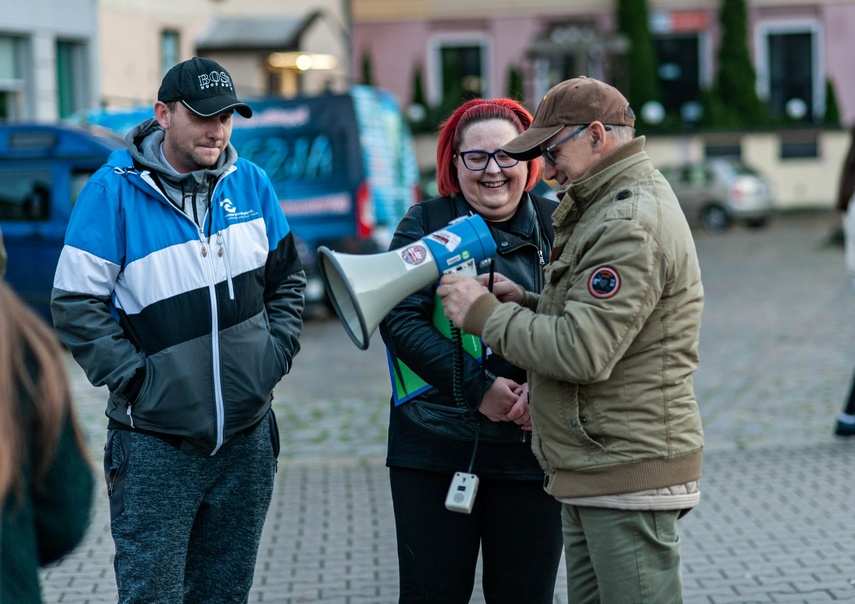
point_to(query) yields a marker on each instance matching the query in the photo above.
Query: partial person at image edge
(610, 345)
(845, 423)
(46, 482)
(180, 289)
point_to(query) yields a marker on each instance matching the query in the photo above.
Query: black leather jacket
(524, 244)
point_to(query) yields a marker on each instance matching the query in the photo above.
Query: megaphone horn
(363, 289)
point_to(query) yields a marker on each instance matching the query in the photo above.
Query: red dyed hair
(471, 112)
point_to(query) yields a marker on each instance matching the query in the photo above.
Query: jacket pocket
(274, 432)
(577, 416)
(251, 347)
(450, 422)
(588, 422)
(117, 456)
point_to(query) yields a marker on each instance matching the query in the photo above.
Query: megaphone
(365, 288)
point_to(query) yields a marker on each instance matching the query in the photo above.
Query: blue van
(343, 166)
(42, 170)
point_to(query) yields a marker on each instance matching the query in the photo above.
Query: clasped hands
(505, 400)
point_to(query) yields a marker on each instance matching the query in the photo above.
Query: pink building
(796, 48)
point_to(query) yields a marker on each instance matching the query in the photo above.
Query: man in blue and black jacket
(181, 290)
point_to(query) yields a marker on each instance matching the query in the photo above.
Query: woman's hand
(503, 288)
(499, 399)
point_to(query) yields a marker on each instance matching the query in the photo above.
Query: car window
(697, 175)
(25, 194)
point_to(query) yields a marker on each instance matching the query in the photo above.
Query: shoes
(845, 425)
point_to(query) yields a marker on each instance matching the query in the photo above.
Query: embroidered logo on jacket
(604, 282)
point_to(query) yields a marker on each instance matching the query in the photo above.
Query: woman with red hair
(473, 416)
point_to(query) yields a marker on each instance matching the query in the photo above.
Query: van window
(25, 195)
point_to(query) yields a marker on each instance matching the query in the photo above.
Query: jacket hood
(144, 142)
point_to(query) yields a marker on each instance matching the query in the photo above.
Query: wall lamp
(303, 61)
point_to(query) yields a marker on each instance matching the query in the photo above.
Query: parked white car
(719, 191)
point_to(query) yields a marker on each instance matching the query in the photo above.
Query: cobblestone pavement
(775, 520)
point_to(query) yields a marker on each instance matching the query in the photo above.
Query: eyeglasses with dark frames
(547, 153)
(478, 160)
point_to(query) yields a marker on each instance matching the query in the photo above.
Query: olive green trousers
(621, 556)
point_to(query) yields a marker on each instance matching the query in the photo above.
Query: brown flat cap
(575, 102)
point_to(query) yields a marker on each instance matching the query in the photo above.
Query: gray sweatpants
(187, 527)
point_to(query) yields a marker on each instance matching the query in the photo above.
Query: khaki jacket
(612, 346)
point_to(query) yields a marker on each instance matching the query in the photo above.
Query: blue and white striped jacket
(189, 328)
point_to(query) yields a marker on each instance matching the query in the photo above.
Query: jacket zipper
(223, 253)
(208, 264)
(208, 267)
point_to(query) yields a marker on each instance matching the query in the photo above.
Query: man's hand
(520, 413)
(458, 292)
(503, 288)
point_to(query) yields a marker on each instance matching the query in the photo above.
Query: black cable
(457, 374)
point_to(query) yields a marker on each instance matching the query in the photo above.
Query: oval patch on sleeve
(604, 282)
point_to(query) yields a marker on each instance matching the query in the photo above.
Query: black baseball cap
(203, 86)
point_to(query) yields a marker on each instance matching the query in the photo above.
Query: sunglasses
(547, 153)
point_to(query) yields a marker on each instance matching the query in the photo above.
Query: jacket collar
(606, 175)
(522, 224)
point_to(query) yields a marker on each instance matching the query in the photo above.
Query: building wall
(42, 23)
(796, 183)
(401, 35)
(839, 24)
(131, 56)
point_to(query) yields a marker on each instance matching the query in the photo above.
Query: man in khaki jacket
(610, 346)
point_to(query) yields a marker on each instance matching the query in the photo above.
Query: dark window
(462, 74)
(679, 70)
(799, 144)
(791, 73)
(722, 150)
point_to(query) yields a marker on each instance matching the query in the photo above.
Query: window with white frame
(12, 81)
(790, 68)
(458, 69)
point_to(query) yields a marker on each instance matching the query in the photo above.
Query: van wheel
(715, 218)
